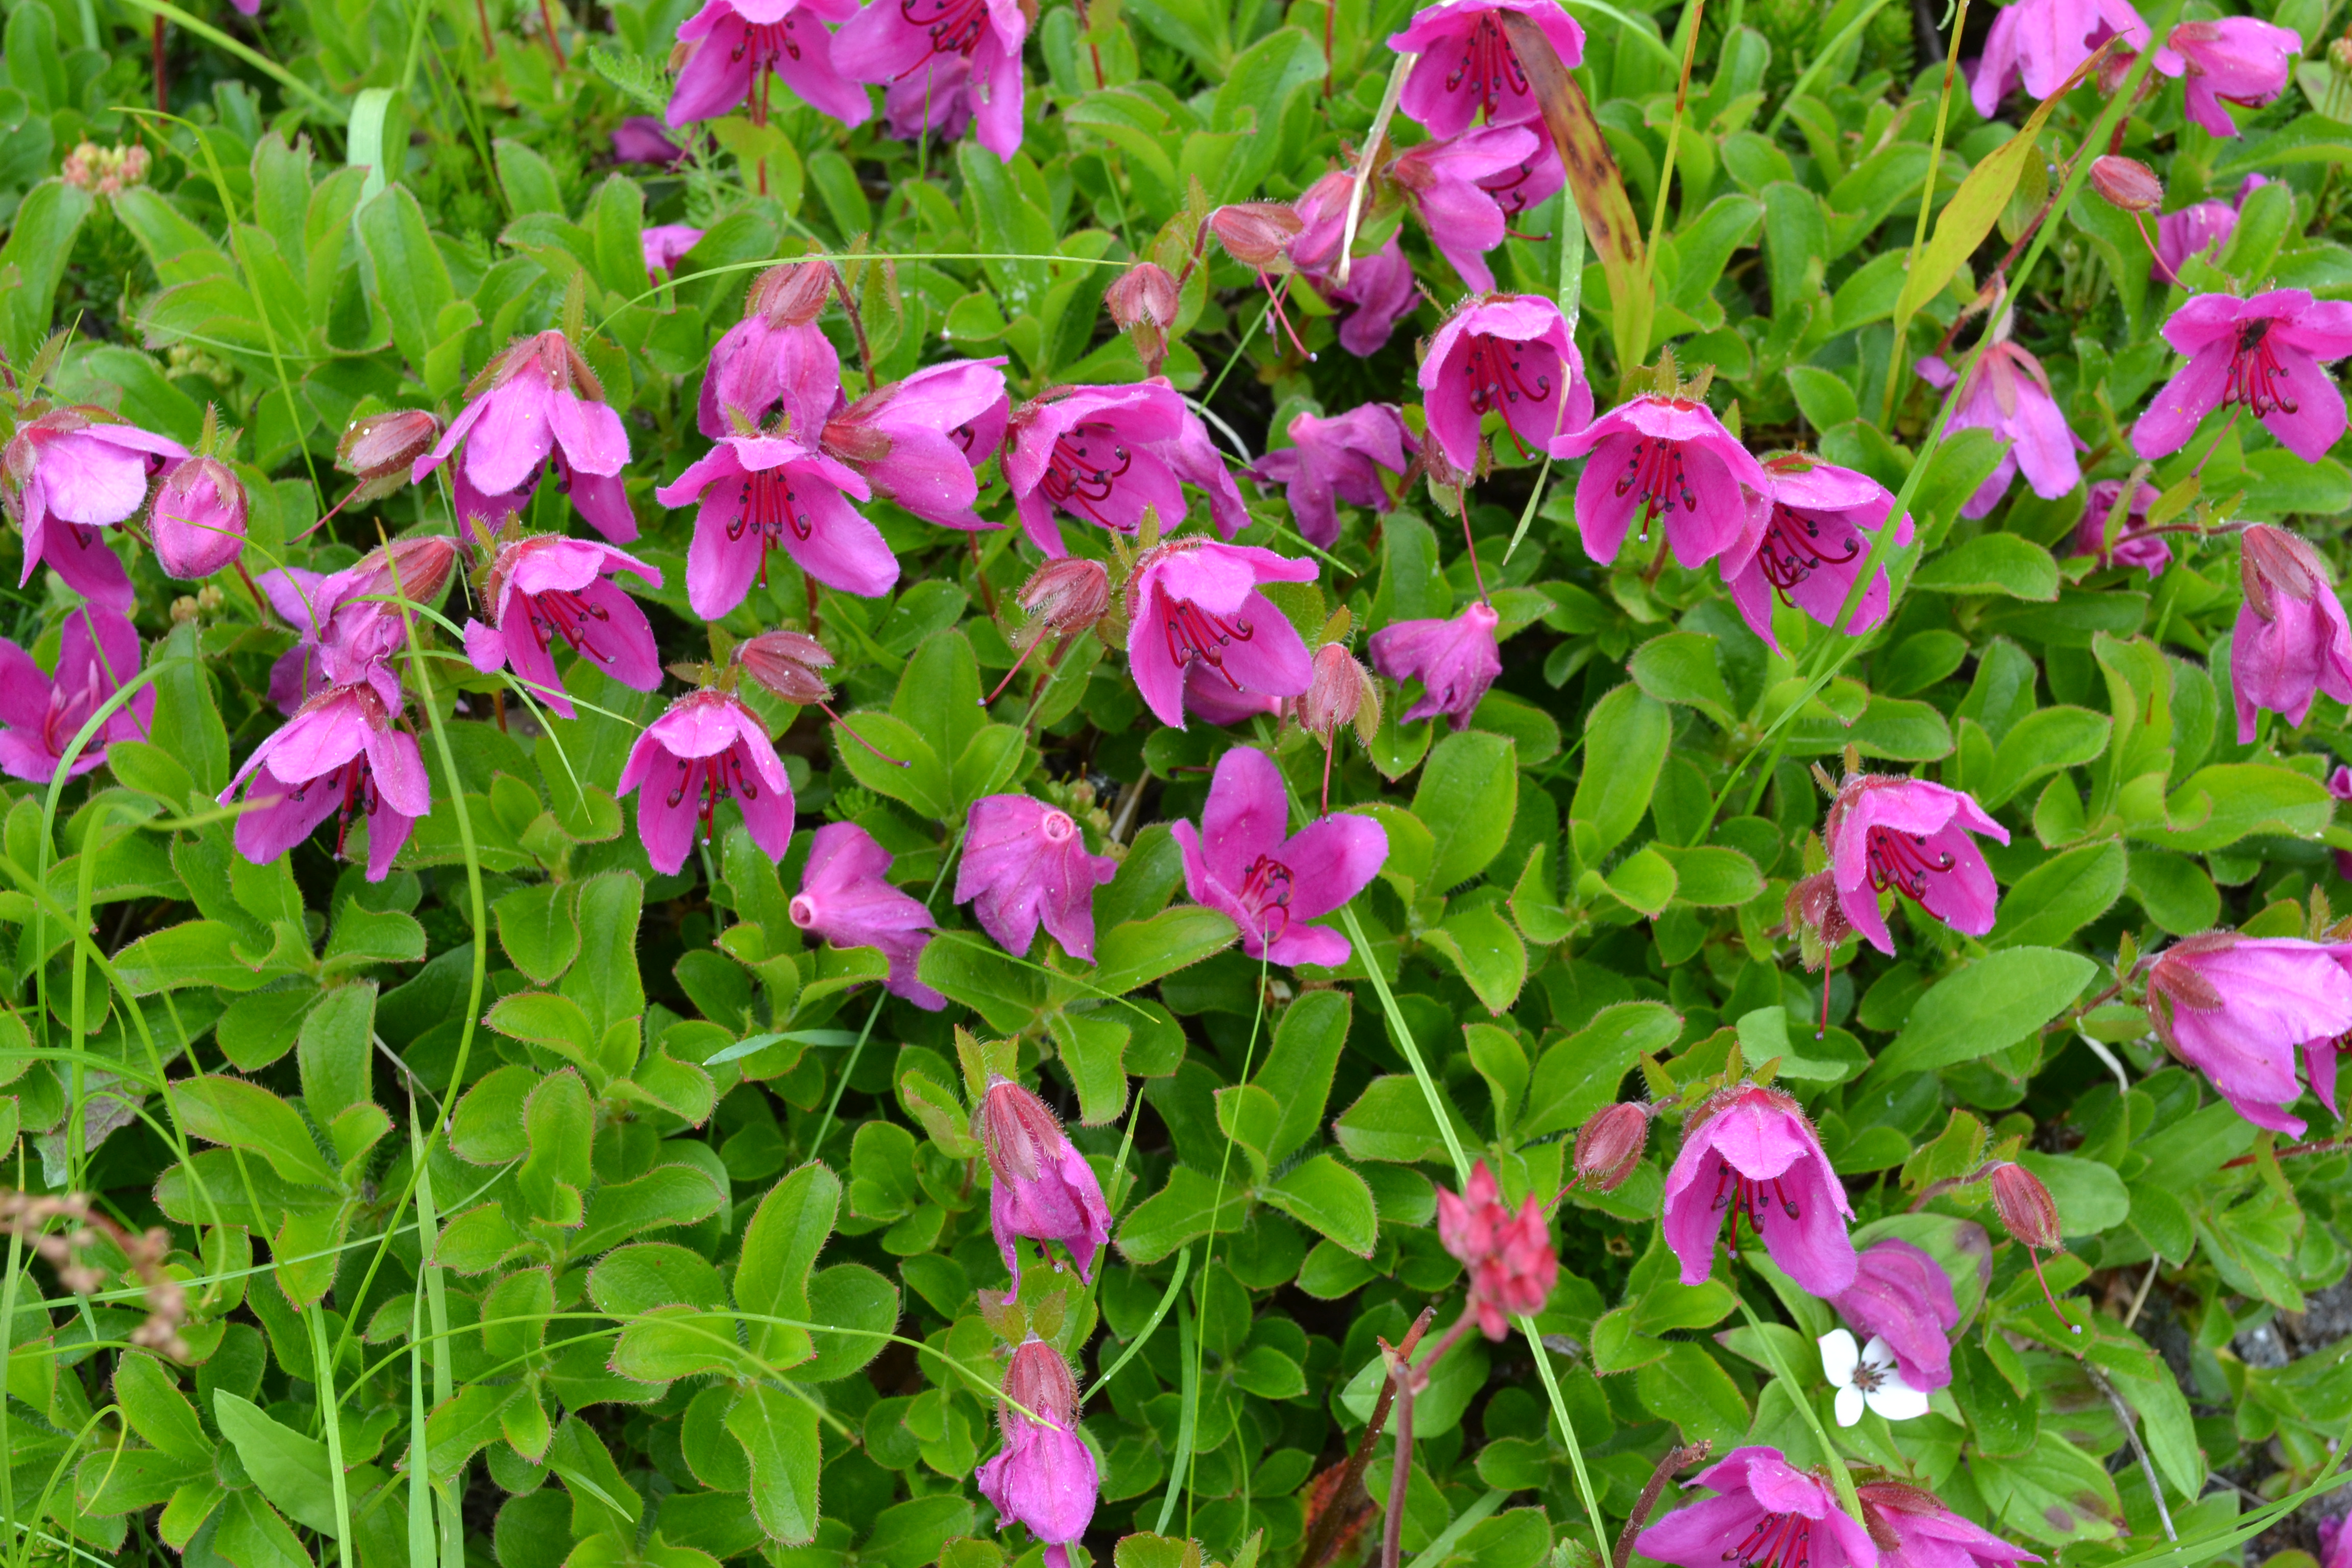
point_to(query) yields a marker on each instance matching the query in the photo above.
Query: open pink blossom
(1506, 1253)
(1043, 1476)
(70, 472)
(1817, 536)
(1455, 660)
(665, 245)
(2133, 546)
(1338, 459)
(1750, 1152)
(1445, 183)
(1532, 181)
(2263, 353)
(2291, 642)
(1210, 698)
(764, 493)
(1889, 832)
(2336, 1542)
(1467, 65)
(1027, 863)
(844, 899)
(1106, 453)
(897, 43)
(2238, 1008)
(1042, 1188)
(1764, 1514)
(935, 101)
(1658, 458)
(2010, 395)
(199, 520)
(2235, 59)
(1195, 603)
(1902, 1295)
(341, 756)
(1244, 860)
(1379, 291)
(707, 748)
(2195, 230)
(535, 404)
(1509, 354)
(776, 360)
(1914, 1530)
(737, 47)
(41, 715)
(345, 624)
(2040, 43)
(549, 587)
(919, 442)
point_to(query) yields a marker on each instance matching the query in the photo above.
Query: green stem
(1839, 1478)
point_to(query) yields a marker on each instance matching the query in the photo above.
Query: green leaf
(1468, 794)
(241, 1115)
(544, 1019)
(779, 1433)
(1391, 1121)
(1690, 1388)
(2230, 801)
(290, 1469)
(540, 929)
(2042, 743)
(1993, 564)
(780, 1250)
(1625, 739)
(156, 1409)
(2060, 896)
(1300, 1065)
(1685, 667)
(1577, 1075)
(33, 262)
(1131, 956)
(1181, 1211)
(406, 271)
(1485, 951)
(1331, 1200)
(1991, 1004)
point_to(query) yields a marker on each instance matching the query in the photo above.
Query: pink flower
(535, 403)
(344, 624)
(1105, 453)
(1886, 831)
(1508, 1255)
(902, 42)
(1902, 1295)
(2194, 230)
(1817, 536)
(70, 472)
(935, 101)
(1196, 601)
(760, 493)
(845, 900)
(1045, 1475)
(1444, 183)
(2335, 1543)
(641, 139)
(2135, 546)
(1454, 661)
(1379, 291)
(775, 359)
(1209, 698)
(2237, 1009)
(2238, 59)
(919, 442)
(1027, 863)
(1764, 1515)
(2291, 641)
(198, 519)
(1530, 182)
(1467, 64)
(1337, 459)
(1509, 354)
(1043, 1189)
(736, 48)
(1915, 1531)
(665, 244)
(2010, 395)
(707, 748)
(1750, 1151)
(339, 754)
(1243, 860)
(2041, 42)
(98, 653)
(548, 587)
(1668, 457)
(2262, 352)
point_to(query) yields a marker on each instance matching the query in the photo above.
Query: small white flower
(1867, 1376)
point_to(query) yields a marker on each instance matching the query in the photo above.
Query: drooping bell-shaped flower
(776, 361)
(1335, 459)
(1468, 65)
(2237, 1009)
(735, 49)
(1456, 661)
(665, 246)
(2010, 395)
(346, 623)
(1750, 1154)
(2263, 355)
(1106, 453)
(1244, 860)
(41, 714)
(844, 899)
(1509, 354)
(1043, 1191)
(1026, 864)
(1657, 459)
(2243, 60)
(1902, 1296)
(341, 756)
(895, 42)
(761, 494)
(2040, 42)
(1446, 184)
(919, 442)
(70, 472)
(550, 589)
(537, 404)
(2133, 545)
(1193, 604)
(2197, 229)
(2291, 642)
(1889, 833)
(1045, 1476)
(1817, 536)
(1914, 1530)
(707, 748)
(1764, 1514)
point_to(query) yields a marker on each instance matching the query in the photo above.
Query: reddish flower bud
(1039, 1380)
(787, 663)
(1610, 1145)
(1509, 1256)
(417, 568)
(1143, 302)
(1813, 911)
(792, 295)
(1338, 690)
(2126, 182)
(2026, 1207)
(1045, 1189)
(378, 448)
(1068, 596)
(198, 519)
(1256, 234)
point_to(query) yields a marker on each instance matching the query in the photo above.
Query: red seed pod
(786, 662)
(2126, 182)
(1256, 234)
(2025, 1208)
(1610, 1145)
(1039, 1380)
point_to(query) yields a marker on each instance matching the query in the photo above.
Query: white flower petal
(1838, 1358)
(1848, 1404)
(1896, 1400)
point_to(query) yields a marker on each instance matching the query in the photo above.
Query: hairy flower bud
(377, 449)
(1068, 596)
(792, 295)
(2126, 182)
(2025, 1206)
(1144, 302)
(1256, 234)
(1610, 1145)
(2339, 56)
(198, 519)
(1039, 1381)
(1337, 692)
(786, 662)
(1043, 1189)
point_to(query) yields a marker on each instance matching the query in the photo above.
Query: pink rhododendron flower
(536, 402)
(40, 715)
(70, 472)
(642, 139)
(762, 493)
(1508, 1254)
(1444, 183)
(706, 748)
(339, 755)
(1468, 66)
(345, 624)
(665, 244)
(1335, 459)
(1886, 831)
(1027, 863)
(1532, 181)
(1455, 660)
(737, 47)
(2263, 353)
(1193, 603)
(198, 520)
(2194, 230)
(2236, 60)
(1379, 291)
(2335, 1542)
(1900, 1295)
(1209, 697)
(2237, 1009)
(2291, 641)
(549, 587)
(2135, 546)
(1043, 1189)
(899, 41)
(1105, 453)
(1243, 860)
(1509, 354)
(1764, 1514)
(2040, 42)
(2010, 395)
(844, 900)
(1668, 458)
(935, 101)
(775, 360)
(919, 442)
(1045, 1475)
(1913, 1530)
(1750, 1151)
(1817, 534)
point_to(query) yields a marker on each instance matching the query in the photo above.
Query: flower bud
(1144, 302)
(198, 519)
(792, 295)
(378, 448)
(1610, 1145)
(786, 662)
(2126, 182)
(1068, 596)
(1337, 692)
(2339, 56)
(1813, 911)
(2025, 1208)
(416, 568)
(1039, 1380)
(1256, 234)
